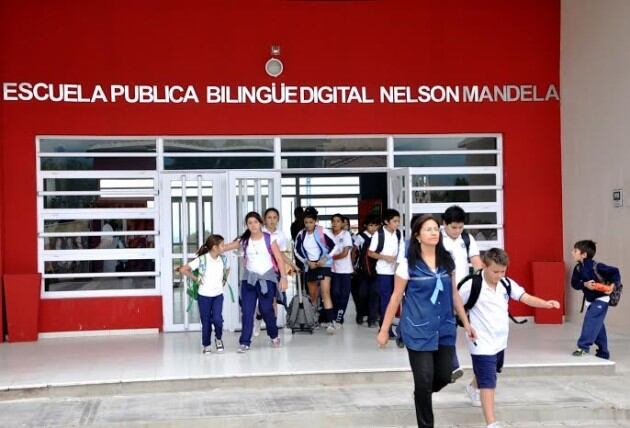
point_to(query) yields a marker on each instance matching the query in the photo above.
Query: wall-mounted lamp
(274, 66)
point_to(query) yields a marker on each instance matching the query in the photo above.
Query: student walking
(341, 269)
(315, 248)
(463, 248)
(490, 319)
(263, 278)
(388, 248)
(366, 299)
(212, 268)
(428, 327)
(591, 278)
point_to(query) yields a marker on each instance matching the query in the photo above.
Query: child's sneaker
(218, 345)
(331, 328)
(494, 425)
(579, 352)
(275, 342)
(473, 394)
(456, 374)
(206, 350)
(242, 349)
(257, 325)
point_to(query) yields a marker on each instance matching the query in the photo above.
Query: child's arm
(576, 279)
(537, 302)
(458, 304)
(234, 245)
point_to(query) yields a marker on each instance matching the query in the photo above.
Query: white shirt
(358, 239)
(343, 265)
(313, 252)
(391, 247)
(489, 316)
(258, 257)
(211, 284)
(279, 238)
(457, 248)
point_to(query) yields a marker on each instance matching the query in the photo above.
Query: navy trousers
(211, 314)
(594, 330)
(341, 284)
(249, 295)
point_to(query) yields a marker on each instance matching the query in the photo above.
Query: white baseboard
(87, 333)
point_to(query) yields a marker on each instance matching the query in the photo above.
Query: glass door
(192, 207)
(399, 196)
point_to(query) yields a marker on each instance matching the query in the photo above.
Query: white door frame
(399, 196)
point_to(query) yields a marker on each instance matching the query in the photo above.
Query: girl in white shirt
(212, 270)
(342, 268)
(263, 277)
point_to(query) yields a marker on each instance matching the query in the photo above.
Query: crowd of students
(436, 278)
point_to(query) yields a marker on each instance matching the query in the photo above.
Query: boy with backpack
(463, 248)
(387, 247)
(366, 296)
(601, 285)
(486, 296)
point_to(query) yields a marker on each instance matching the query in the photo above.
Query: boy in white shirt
(463, 248)
(342, 268)
(387, 247)
(489, 317)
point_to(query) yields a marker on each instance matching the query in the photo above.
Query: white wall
(595, 91)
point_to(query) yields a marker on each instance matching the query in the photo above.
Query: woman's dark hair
(270, 210)
(245, 236)
(310, 212)
(211, 241)
(443, 258)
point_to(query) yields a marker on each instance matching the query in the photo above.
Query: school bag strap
(381, 240)
(508, 287)
(267, 238)
(615, 296)
(475, 292)
(466, 239)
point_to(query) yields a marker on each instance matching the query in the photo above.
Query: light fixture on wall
(274, 66)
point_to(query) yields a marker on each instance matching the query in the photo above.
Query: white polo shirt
(457, 248)
(489, 316)
(258, 257)
(391, 247)
(279, 237)
(212, 281)
(344, 265)
(359, 241)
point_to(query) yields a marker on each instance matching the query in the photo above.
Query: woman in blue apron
(427, 322)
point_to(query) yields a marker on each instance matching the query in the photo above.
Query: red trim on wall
(102, 313)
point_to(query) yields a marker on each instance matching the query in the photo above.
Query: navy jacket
(584, 272)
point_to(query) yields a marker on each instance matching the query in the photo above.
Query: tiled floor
(113, 359)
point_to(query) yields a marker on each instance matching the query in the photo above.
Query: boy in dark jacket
(587, 276)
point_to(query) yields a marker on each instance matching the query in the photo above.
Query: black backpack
(615, 296)
(475, 291)
(368, 264)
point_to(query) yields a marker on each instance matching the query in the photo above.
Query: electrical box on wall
(617, 197)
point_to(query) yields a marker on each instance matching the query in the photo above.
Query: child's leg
(248, 301)
(593, 322)
(602, 344)
(313, 291)
(487, 404)
(326, 298)
(217, 316)
(204, 315)
(342, 295)
(335, 293)
(265, 305)
(385, 288)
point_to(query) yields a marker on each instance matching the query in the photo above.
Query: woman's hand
(382, 338)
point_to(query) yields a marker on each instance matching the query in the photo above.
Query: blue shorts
(486, 368)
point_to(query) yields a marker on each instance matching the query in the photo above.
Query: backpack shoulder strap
(475, 290)
(466, 238)
(381, 241)
(267, 238)
(597, 274)
(507, 284)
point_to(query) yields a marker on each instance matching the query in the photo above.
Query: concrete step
(322, 401)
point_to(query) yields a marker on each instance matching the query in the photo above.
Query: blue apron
(427, 319)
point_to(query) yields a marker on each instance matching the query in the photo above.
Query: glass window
(445, 160)
(97, 184)
(334, 162)
(61, 145)
(99, 283)
(100, 266)
(219, 163)
(97, 163)
(219, 145)
(334, 144)
(95, 201)
(454, 196)
(454, 180)
(93, 242)
(444, 143)
(96, 225)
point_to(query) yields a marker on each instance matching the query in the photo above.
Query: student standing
(489, 317)
(212, 272)
(263, 277)
(387, 247)
(427, 325)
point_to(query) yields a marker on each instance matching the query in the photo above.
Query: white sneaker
(338, 325)
(494, 425)
(257, 324)
(473, 394)
(331, 328)
(206, 350)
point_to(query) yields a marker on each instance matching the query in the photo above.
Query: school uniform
(260, 284)
(428, 329)
(385, 270)
(461, 256)
(367, 298)
(210, 296)
(489, 317)
(596, 302)
(342, 270)
(311, 247)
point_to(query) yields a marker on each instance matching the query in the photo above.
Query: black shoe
(359, 320)
(372, 324)
(456, 374)
(400, 343)
(579, 352)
